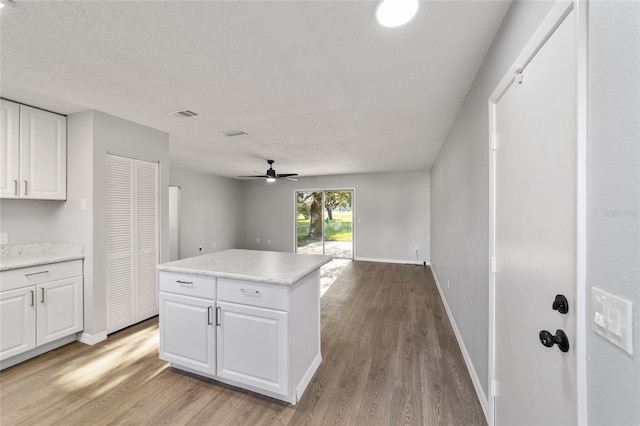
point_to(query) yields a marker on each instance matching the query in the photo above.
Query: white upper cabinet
(34, 153)
(9, 150)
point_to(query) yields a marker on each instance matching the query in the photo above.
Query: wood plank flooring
(389, 358)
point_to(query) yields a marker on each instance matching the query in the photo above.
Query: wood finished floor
(389, 358)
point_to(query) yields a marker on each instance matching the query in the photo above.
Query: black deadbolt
(561, 304)
(560, 339)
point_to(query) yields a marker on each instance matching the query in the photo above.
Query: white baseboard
(374, 259)
(92, 339)
(465, 354)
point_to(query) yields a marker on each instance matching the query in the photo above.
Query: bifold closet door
(132, 229)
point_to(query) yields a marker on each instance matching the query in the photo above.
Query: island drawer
(264, 295)
(188, 285)
(33, 275)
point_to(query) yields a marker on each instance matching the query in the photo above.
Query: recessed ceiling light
(394, 13)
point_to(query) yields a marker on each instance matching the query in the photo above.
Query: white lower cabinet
(187, 332)
(17, 322)
(59, 309)
(253, 346)
(39, 305)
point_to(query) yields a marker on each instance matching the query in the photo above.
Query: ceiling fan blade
(285, 175)
(287, 178)
(255, 176)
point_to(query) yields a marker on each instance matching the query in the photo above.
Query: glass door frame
(324, 190)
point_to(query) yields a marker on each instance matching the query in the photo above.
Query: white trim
(560, 10)
(92, 339)
(581, 210)
(465, 354)
(406, 262)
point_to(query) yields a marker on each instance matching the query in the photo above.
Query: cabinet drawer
(188, 285)
(255, 294)
(24, 277)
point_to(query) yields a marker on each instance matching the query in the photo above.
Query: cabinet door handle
(25, 187)
(209, 309)
(33, 297)
(244, 290)
(36, 273)
(218, 316)
(185, 282)
(15, 188)
(42, 298)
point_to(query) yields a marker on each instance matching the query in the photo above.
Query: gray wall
(392, 209)
(460, 197)
(91, 135)
(210, 211)
(29, 221)
(613, 196)
(460, 191)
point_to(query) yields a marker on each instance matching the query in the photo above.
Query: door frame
(329, 189)
(559, 11)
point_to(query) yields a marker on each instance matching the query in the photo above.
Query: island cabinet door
(253, 347)
(187, 332)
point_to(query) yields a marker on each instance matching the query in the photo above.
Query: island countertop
(249, 265)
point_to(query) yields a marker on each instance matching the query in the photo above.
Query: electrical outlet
(4, 238)
(214, 244)
(258, 240)
(269, 242)
(447, 282)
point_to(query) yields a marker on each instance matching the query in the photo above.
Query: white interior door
(535, 237)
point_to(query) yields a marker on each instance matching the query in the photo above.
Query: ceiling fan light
(271, 179)
(394, 13)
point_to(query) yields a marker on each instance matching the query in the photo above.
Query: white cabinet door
(253, 346)
(187, 332)
(43, 154)
(17, 321)
(9, 149)
(59, 309)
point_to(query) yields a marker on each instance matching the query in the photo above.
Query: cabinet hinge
(494, 141)
(494, 266)
(494, 387)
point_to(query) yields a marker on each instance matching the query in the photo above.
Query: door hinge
(494, 266)
(519, 77)
(494, 387)
(494, 141)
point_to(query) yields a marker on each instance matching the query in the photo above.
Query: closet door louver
(120, 290)
(132, 227)
(147, 238)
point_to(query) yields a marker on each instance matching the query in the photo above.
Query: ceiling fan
(271, 174)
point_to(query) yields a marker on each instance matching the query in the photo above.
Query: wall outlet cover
(4, 238)
(611, 317)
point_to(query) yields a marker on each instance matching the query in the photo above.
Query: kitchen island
(246, 318)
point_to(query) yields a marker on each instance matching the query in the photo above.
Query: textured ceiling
(318, 86)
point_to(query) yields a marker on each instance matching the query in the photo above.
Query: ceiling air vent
(233, 133)
(184, 113)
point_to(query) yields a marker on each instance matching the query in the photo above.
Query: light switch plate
(611, 317)
(4, 238)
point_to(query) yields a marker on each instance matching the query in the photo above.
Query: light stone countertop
(250, 265)
(14, 256)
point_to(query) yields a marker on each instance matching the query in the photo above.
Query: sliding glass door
(324, 223)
